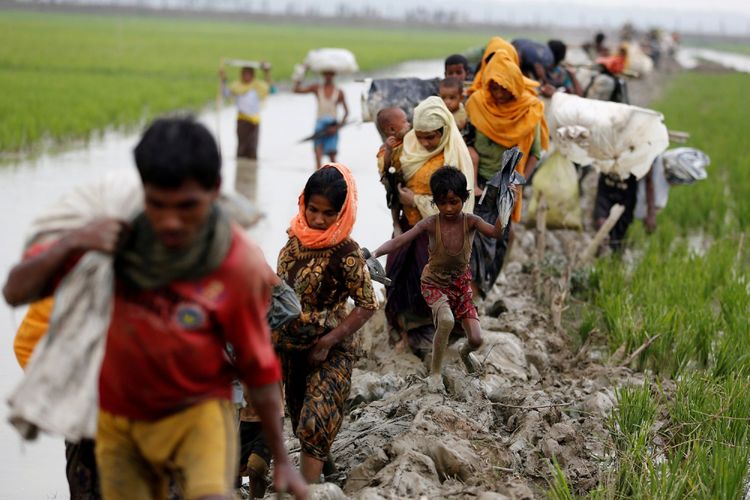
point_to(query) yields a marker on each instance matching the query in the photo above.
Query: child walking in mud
(446, 279)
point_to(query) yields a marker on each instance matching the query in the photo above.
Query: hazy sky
(702, 16)
(730, 16)
(729, 6)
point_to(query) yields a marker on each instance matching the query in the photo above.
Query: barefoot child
(446, 279)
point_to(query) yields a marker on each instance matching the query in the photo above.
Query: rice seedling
(689, 289)
(559, 486)
(65, 75)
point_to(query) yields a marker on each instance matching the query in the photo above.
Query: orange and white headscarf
(336, 232)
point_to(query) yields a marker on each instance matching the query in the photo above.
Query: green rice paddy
(688, 288)
(66, 75)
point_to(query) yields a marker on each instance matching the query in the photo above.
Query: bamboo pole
(541, 243)
(614, 215)
(219, 104)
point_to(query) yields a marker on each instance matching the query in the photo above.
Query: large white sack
(614, 138)
(337, 60)
(638, 60)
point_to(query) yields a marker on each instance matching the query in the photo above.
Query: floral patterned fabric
(315, 397)
(323, 279)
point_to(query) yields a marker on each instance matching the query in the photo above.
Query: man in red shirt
(189, 287)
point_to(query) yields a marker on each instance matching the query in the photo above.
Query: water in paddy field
(690, 58)
(37, 470)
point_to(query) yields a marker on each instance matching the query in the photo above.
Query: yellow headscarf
(513, 123)
(432, 114)
(498, 46)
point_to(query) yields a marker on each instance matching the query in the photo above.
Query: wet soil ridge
(492, 434)
(535, 400)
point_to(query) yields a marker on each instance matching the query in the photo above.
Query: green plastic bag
(556, 177)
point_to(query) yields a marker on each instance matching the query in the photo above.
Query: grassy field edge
(66, 75)
(683, 293)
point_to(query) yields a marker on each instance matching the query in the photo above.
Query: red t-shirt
(166, 348)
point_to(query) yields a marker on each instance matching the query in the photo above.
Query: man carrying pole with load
(329, 63)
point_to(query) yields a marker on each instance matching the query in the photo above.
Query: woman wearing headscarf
(325, 268)
(506, 112)
(497, 45)
(433, 142)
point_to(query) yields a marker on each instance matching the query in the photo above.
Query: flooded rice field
(37, 470)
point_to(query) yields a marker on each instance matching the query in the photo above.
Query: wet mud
(537, 396)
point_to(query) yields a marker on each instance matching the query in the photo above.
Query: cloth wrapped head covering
(497, 45)
(337, 232)
(432, 114)
(513, 123)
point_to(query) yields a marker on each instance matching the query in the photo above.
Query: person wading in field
(249, 94)
(327, 124)
(187, 283)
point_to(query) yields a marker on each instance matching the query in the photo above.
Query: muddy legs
(474, 342)
(311, 468)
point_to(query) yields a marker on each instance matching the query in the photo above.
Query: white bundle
(59, 393)
(616, 139)
(638, 61)
(336, 60)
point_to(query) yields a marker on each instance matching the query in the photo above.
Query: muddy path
(537, 395)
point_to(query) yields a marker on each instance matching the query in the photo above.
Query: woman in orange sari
(506, 112)
(434, 141)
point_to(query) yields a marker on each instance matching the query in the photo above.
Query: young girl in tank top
(446, 279)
